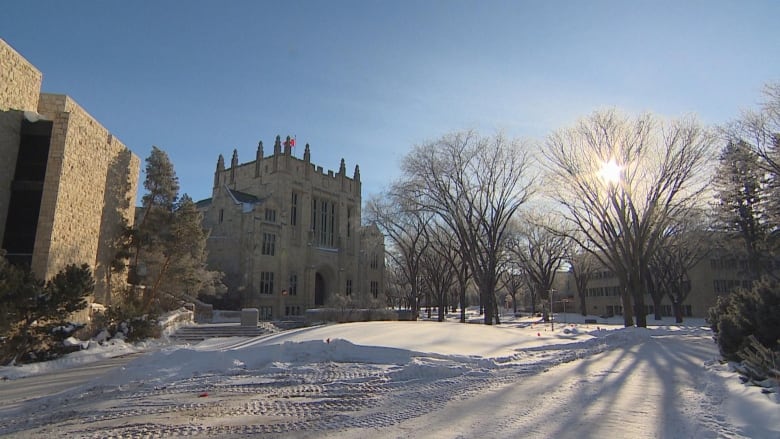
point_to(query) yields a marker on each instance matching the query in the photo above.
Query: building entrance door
(319, 290)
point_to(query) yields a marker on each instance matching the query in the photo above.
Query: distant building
(66, 183)
(717, 274)
(288, 235)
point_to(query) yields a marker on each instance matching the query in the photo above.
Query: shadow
(110, 266)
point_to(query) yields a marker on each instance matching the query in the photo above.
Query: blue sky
(367, 80)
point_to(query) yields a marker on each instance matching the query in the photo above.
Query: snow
(408, 379)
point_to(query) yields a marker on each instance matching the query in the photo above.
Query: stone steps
(198, 333)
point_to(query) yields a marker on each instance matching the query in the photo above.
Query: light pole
(552, 322)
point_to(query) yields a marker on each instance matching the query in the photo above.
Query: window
(349, 222)
(221, 215)
(294, 209)
(293, 289)
(266, 313)
(270, 215)
(269, 244)
(294, 310)
(267, 282)
(375, 289)
(323, 221)
(374, 261)
(348, 289)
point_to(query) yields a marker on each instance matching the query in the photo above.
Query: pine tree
(741, 186)
(169, 241)
(31, 308)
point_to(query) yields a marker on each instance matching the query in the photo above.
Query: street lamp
(552, 322)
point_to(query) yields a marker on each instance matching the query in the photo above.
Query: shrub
(743, 313)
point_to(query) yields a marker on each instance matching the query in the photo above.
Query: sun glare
(610, 172)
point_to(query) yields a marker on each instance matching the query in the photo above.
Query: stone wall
(20, 85)
(90, 186)
(20, 82)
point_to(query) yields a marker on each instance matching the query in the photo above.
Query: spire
(356, 177)
(233, 166)
(343, 168)
(220, 170)
(258, 158)
(307, 154)
(278, 145)
(287, 146)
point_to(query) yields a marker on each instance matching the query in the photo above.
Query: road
(16, 392)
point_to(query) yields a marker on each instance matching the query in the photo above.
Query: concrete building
(717, 274)
(67, 185)
(288, 235)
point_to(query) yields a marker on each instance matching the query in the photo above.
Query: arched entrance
(319, 290)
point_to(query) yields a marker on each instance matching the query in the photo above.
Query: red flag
(292, 141)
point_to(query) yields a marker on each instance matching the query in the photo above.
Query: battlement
(282, 163)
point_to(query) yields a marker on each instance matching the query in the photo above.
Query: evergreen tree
(169, 241)
(31, 308)
(741, 184)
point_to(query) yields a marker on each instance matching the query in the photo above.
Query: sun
(610, 172)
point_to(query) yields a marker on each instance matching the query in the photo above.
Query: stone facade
(20, 81)
(67, 185)
(288, 235)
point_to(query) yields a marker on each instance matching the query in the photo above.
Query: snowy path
(355, 381)
(647, 390)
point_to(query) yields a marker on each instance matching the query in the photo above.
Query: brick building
(288, 235)
(67, 185)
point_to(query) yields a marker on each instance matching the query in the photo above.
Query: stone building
(717, 274)
(288, 235)
(67, 185)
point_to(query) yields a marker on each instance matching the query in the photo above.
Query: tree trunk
(677, 306)
(463, 304)
(657, 307)
(625, 298)
(442, 307)
(487, 303)
(496, 310)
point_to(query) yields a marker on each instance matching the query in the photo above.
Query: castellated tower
(288, 235)
(67, 185)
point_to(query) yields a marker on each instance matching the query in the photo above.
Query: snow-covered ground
(411, 379)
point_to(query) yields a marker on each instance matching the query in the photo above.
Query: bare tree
(512, 281)
(541, 248)
(474, 185)
(761, 128)
(406, 228)
(582, 267)
(688, 242)
(620, 181)
(440, 267)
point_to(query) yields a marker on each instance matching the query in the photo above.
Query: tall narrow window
(221, 215)
(293, 291)
(375, 289)
(314, 214)
(332, 229)
(269, 244)
(349, 222)
(294, 209)
(324, 222)
(348, 288)
(267, 282)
